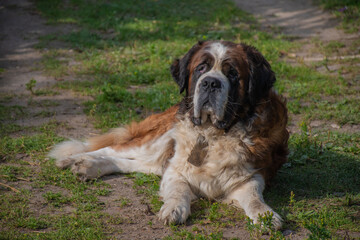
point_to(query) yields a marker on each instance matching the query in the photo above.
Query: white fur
(177, 195)
(218, 51)
(105, 161)
(62, 151)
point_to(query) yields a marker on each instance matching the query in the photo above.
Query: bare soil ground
(21, 26)
(295, 18)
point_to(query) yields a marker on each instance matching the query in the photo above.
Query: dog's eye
(232, 72)
(201, 68)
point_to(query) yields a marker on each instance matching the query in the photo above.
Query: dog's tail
(64, 150)
(134, 134)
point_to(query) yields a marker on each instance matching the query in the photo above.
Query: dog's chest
(210, 161)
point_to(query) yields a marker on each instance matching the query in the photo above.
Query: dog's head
(223, 81)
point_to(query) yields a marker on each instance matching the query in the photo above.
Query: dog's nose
(211, 83)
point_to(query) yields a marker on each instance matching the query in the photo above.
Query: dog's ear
(180, 68)
(261, 78)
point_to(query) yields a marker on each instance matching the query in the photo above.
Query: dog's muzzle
(210, 101)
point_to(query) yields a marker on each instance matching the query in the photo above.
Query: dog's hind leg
(145, 146)
(151, 157)
(88, 166)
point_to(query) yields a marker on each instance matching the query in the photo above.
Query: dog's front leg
(177, 196)
(249, 197)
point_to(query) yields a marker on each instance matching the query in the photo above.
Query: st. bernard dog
(223, 141)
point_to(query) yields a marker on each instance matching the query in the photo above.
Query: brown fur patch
(270, 136)
(167, 154)
(137, 134)
(199, 57)
(199, 152)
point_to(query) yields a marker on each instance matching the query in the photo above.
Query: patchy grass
(195, 234)
(127, 54)
(38, 92)
(321, 179)
(265, 226)
(148, 184)
(54, 65)
(24, 166)
(120, 54)
(56, 198)
(20, 217)
(347, 10)
(11, 112)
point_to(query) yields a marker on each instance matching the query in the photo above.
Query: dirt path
(303, 21)
(20, 29)
(307, 23)
(21, 26)
(296, 18)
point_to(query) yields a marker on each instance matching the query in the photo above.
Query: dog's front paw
(276, 219)
(174, 211)
(86, 167)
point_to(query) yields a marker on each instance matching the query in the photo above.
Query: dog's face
(223, 81)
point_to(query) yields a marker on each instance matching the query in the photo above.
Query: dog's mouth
(208, 115)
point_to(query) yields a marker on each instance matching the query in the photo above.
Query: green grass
(119, 54)
(265, 226)
(11, 112)
(322, 181)
(130, 69)
(20, 218)
(56, 199)
(54, 66)
(148, 185)
(39, 92)
(23, 160)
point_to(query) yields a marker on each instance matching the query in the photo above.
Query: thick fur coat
(223, 141)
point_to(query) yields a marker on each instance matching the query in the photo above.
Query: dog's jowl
(225, 140)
